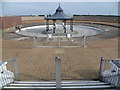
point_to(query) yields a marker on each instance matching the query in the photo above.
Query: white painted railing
(110, 72)
(6, 76)
(60, 41)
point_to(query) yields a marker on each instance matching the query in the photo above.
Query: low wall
(97, 18)
(10, 21)
(107, 20)
(33, 19)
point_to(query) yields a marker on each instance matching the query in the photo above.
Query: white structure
(6, 80)
(84, 41)
(6, 76)
(68, 36)
(49, 36)
(111, 75)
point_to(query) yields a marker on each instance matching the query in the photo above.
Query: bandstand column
(47, 25)
(54, 27)
(64, 26)
(71, 25)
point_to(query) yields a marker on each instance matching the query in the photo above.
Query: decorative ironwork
(59, 15)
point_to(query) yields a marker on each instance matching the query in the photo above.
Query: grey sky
(61, 0)
(37, 8)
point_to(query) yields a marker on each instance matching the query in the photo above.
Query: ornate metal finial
(59, 4)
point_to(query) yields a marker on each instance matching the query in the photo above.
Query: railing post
(101, 67)
(15, 63)
(84, 41)
(59, 40)
(58, 72)
(34, 41)
(118, 83)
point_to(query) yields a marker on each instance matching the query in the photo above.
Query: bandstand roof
(59, 15)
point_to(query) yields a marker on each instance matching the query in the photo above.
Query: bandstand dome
(59, 15)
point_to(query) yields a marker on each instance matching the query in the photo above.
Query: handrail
(2, 62)
(110, 74)
(6, 76)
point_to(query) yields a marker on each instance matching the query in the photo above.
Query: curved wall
(10, 21)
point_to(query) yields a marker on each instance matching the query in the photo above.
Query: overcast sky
(61, 0)
(38, 8)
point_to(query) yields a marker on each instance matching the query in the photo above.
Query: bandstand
(60, 33)
(61, 16)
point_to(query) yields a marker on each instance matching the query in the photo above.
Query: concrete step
(70, 87)
(52, 85)
(55, 82)
(75, 84)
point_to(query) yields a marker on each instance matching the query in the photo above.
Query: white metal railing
(6, 76)
(59, 40)
(110, 72)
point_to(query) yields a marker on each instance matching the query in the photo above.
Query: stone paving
(77, 63)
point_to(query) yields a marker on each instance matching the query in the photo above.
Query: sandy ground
(77, 63)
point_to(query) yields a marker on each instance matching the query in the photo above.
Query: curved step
(72, 87)
(71, 84)
(55, 82)
(52, 85)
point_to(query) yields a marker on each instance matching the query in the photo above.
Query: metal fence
(59, 41)
(110, 72)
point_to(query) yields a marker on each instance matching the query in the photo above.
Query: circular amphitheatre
(40, 31)
(59, 27)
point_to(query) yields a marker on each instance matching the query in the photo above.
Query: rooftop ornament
(61, 16)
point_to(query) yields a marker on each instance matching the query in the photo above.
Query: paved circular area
(40, 31)
(77, 63)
